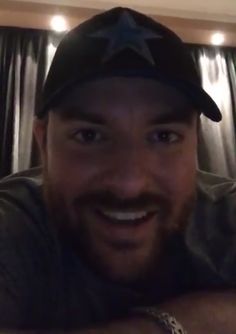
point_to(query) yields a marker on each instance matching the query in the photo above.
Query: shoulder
(216, 202)
(215, 187)
(31, 177)
(29, 259)
(22, 211)
(22, 191)
(211, 234)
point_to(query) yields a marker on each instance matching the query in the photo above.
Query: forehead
(141, 96)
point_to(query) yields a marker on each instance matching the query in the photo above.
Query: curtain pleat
(217, 141)
(230, 56)
(22, 73)
(6, 116)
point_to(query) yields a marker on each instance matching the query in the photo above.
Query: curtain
(25, 57)
(22, 72)
(217, 141)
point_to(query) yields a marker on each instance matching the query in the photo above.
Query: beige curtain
(217, 146)
(22, 72)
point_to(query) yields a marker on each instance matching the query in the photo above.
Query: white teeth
(125, 215)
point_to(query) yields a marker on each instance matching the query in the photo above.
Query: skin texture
(132, 158)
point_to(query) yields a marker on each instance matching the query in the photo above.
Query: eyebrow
(184, 115)
(80, 115)
(175, 116)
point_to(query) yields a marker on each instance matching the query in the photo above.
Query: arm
(134, 325)
(199, 313)
(205, 312)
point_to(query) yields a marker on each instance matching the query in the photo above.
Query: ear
(40, 134)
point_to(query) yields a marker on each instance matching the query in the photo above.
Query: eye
(164, 136)
(88, 136)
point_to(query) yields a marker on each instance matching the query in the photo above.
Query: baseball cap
(124, 42)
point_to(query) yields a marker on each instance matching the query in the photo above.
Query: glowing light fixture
(59, 24)
(218, 38)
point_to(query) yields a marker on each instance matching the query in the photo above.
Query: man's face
(119, 172)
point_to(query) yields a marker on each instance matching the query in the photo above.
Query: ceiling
(195, 21)
(220, 10)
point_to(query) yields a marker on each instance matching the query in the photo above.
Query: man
(121, 234)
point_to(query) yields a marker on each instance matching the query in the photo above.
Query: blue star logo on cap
(126, 34)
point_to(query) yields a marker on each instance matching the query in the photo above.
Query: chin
(124, 264)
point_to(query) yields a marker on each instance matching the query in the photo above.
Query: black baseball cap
(124, 42)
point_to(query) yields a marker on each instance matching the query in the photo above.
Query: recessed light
(58, 23)
(217, 38)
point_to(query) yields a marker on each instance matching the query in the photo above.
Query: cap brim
(200, 99)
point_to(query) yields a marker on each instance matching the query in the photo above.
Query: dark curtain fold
(22, 72)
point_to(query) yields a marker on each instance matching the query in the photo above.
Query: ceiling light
(58, 23)
(218, 38)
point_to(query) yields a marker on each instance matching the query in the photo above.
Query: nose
(129, 174)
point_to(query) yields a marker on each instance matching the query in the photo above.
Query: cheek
(178, 173)
(71, 170)
(184, 180)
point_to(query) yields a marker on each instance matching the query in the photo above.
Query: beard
(125, 261)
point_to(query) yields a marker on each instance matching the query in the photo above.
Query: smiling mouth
(130, 218)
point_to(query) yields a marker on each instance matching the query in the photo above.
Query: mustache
(108, 200)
